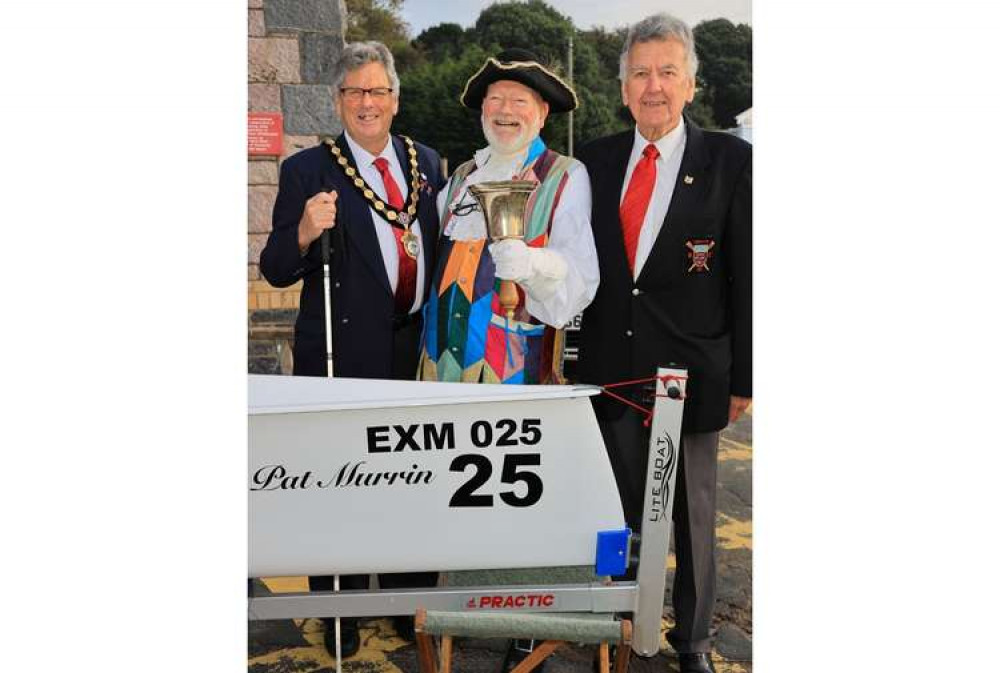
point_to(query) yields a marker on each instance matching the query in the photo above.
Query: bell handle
(508, 297)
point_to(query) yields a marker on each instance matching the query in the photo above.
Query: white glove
(538, 270)
(512, 258)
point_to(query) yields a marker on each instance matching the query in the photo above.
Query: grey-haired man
(384, 232)
(671, 220)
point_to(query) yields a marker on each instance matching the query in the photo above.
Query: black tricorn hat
(519, 65)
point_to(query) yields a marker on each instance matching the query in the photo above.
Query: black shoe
(350, 640)
(516, 654)
(696, 662)
(404, 627)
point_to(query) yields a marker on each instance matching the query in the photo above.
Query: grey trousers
(693, 592)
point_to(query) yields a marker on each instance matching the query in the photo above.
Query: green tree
(429, 107)
(530, 25)
(376, 20)
(700, 111)
(725, 72)
(435, 66)
(608, 47)
(380, 20)
(606, 112)
(443, 41)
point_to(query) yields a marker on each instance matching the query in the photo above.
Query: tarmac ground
(296, 646)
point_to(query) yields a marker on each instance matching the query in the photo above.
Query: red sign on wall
(264, 134)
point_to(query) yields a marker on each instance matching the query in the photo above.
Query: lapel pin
(688, 180)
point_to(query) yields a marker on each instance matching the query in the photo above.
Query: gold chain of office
(403, 217)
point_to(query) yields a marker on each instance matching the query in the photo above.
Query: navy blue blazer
(361, 297)
(690, 307)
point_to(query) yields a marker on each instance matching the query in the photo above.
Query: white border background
(125, 335)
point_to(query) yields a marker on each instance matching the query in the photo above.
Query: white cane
(325, 242)
(328, 329)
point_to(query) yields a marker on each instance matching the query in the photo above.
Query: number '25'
(466, 495)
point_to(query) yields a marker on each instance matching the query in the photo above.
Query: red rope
(628, 383)
(637, 407)
(664, 378)
(648, 413)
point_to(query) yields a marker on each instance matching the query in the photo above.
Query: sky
(421, 14)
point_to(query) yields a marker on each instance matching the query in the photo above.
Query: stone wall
(293, 46)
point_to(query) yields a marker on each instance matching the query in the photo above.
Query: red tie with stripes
(406, 285)
(636, 202)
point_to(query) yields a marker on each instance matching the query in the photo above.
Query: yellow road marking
(733, 533)
(284, 585)
(732, 450)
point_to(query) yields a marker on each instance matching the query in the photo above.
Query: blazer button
(343, 320)
(628, 332)
(336, 283)
(636, 292)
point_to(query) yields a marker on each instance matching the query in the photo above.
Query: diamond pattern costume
(466, 335)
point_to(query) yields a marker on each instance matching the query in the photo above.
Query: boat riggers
(368, 476)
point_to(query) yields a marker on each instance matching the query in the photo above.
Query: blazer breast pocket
(700, 254)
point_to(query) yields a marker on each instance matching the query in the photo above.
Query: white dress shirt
(365, 162)
(668, 164)
(570, 236)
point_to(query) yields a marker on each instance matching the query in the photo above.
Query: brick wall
(293, 46)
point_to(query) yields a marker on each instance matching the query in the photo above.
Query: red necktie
(636, 202)
(406, 284)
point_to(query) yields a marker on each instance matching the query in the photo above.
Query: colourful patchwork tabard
(466, 335)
